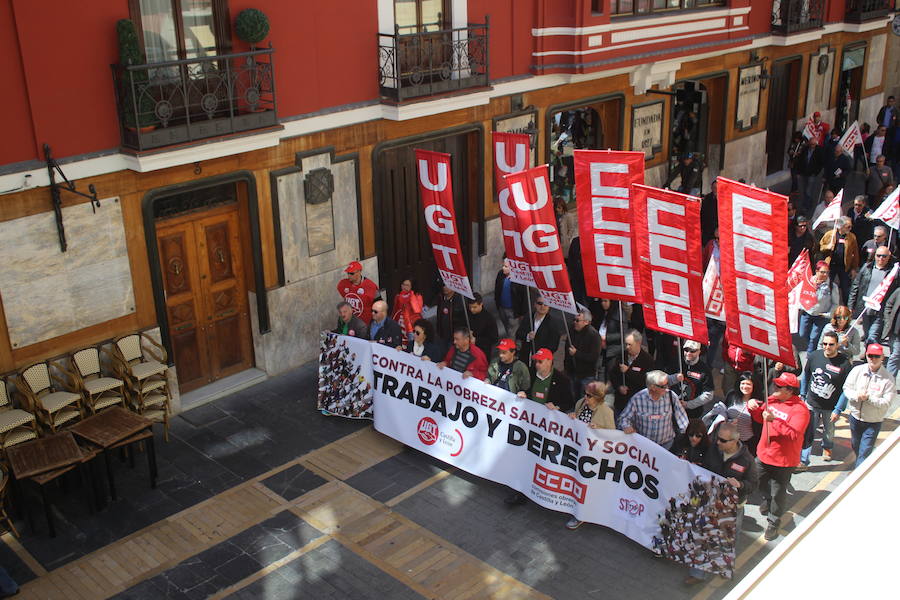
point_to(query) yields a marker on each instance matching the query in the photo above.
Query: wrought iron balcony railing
(168, 103)
(791, 16)
(427, 63)
(860, 11)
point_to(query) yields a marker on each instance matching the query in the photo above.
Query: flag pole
(622, 331)
(530, 316)
(766, 392)
(465, 312)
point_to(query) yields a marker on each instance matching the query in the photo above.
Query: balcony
(792, 16)
(429, 63)
(860, 11)
(182, 101)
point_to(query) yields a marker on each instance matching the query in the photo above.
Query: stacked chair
(16, 425)
(99, 391)
(46, 396)
(140, 362)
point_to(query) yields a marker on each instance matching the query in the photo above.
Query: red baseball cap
(875, 350)
(817, 114)
(542, 354)
(787, 380)
(353, 267)
(506, 344)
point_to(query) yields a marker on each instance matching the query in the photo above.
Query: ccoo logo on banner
(433, 169)
(625, 482)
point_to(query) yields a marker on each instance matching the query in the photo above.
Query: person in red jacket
(407, 309)
(358, 291)
(464, 356)
(784, 417)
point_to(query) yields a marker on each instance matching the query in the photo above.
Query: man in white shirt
(869, 389)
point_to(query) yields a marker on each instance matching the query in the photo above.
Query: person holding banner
(542, 332)
(655, 412)
(814, 318)
(549, 386)
(840, 249)
(864, 286)
(464, 356)
(628, 372)
(425, 344)
(509, 297)
(384, 330)
(694, 385)
(879, 238)
(730, 458)
(784, 418)
(880, 178)
(348, 323)
(506, 371)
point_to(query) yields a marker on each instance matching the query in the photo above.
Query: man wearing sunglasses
(867, 281)
(802, 239)
(732, 460)
(869, 389)
(542, 332)
(694, 385)
(822, 385)
(784, 418)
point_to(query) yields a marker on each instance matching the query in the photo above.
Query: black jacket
(560, 392)
(741, 466)
(891, 327)
(836, 170)
(546, 336)
(796, 244)
(809, 164)
(587, 346)
(635, 378)
(433, 349)
(450, 315)
(390, 333)
(484, 326)
(356, 327)
(861, 285)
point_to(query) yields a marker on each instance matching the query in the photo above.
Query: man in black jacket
(383, 329)
(695, 384)
(629, 376)
(350, 324)
(510, 299)
(549, 386)
(582, 352)
(864, 285)
(731, 459)
(801, 238)
(837, 167)
(450, 311)
(543, 332)
(821, 387)
(483, 325)
(808, 164)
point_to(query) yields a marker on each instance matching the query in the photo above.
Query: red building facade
(235, 180)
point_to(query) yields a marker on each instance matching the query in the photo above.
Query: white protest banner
(851, 138)
(889, 210)
(625, 482)
(874, 301)
(713, 296)
(345, 379)
(832, 212)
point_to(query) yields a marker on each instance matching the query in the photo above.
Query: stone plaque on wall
(47, 293)
(821, 71)
(747, 113)
(646, 128)
(875, 65)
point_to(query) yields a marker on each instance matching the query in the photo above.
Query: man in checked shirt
(870, 389)
(654, 412)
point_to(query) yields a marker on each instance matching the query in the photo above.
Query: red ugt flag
(753, 244)
(433, 169)
(530, 197)
(511, 152)
(666, 225)
(603, 181)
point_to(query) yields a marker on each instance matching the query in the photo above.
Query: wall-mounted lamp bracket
(55, 192)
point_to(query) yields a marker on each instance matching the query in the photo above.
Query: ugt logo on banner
(603, 181)
(530, 193)
(433, 169)
(753, 244)
(670, 261)
(511, 152)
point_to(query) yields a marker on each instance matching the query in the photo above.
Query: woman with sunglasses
(424, 344)
(693, 443)
(848, 336)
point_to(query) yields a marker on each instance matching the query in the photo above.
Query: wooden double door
(206, 295)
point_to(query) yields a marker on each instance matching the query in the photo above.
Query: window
(646, 7)
(418, 16)
(597, 7)
(181, 29)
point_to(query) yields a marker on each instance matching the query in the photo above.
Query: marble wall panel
(298, 313)
(875, 60)
(746, 158)
(47, 293)
(868, 109)
(491, 262)
(298, 264)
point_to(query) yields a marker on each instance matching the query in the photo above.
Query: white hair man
(654, 412)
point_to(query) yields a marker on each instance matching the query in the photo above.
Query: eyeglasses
(827, 344)
(723, 440)
(882, 255)
(844, 317)
(691, 350)
(538, 303)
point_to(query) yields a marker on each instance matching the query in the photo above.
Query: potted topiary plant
(252, 26)
(134, 82)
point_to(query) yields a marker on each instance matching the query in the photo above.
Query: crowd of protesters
(755, 423)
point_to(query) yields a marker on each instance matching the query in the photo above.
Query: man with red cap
(550, 387)
(869, 388)
(506, 372)
(820, 127)
(784, 417)
(358, 291)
